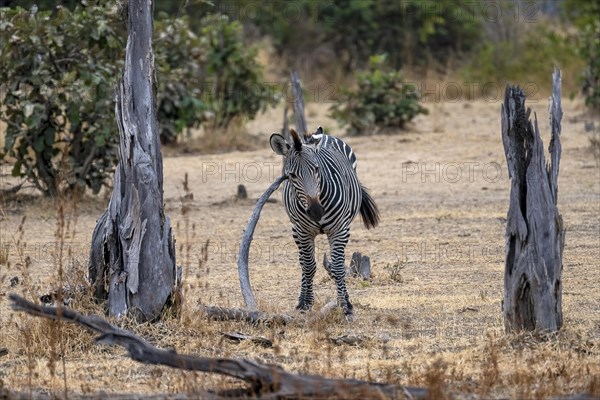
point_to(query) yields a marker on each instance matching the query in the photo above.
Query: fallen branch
(26, 395)
(11, 191)
(352, 340)
(239, 337)
(249, 299)
(266, 381)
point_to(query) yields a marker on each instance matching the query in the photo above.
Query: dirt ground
(431, 312)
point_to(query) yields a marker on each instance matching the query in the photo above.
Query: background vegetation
(59, 68)
(381, 101)
(59, 61)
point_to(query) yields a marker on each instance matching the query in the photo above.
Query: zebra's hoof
(349, 316)
(302, 306)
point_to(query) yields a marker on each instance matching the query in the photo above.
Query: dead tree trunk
(132, 257)
(534, 233)
(298, 104)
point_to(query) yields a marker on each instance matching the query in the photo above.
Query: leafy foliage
(58, 71)
(381, 101)
(235, 85)
(59, 67)
(179, 59)
(584, 16)
(410, 31)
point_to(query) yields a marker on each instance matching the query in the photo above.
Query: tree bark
(534, 233)
(298, 104)
(132, 257)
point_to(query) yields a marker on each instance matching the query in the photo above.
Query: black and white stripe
(322, 196)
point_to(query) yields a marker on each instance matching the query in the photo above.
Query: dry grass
(430, 315)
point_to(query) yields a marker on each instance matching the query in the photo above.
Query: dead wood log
(534, 231)
(352, 340)
(6, 394)
(360, 266)
(241, 337)
(243, 273)
(265, 381)
(132, 256)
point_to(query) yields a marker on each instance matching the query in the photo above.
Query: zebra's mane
(320, 141)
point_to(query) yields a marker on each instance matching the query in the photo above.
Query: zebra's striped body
(322, 196)
(334, 143)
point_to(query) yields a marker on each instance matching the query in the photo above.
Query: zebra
(322, 195)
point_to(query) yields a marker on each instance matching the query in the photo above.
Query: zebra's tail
(368, 209)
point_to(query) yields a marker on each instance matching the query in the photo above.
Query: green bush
(208, 78)
(179, 58)
(58, 74)
(381, 101)
(58, 70)
(234, 86)
(349, 31)
(590, 51)
(584, 15)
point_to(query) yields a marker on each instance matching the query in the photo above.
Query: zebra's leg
(337, 245)
(306, 254)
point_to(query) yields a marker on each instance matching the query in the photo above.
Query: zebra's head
(300, 164)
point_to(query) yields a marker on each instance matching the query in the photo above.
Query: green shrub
(590, 51)
(234, 85)
(584, 16)
(381, 101)
(58, 70)
(58, 74)
(346, 32)
(179, 58)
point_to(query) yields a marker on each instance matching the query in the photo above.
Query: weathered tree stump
(132, 257)
(534, 233)
(360, 266)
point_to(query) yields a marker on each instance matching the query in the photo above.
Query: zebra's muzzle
(315, 209)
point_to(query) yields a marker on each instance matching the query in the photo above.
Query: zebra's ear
(279, 145)
(296, 139)
(319, 131)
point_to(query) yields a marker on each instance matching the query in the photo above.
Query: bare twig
(240, 337)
